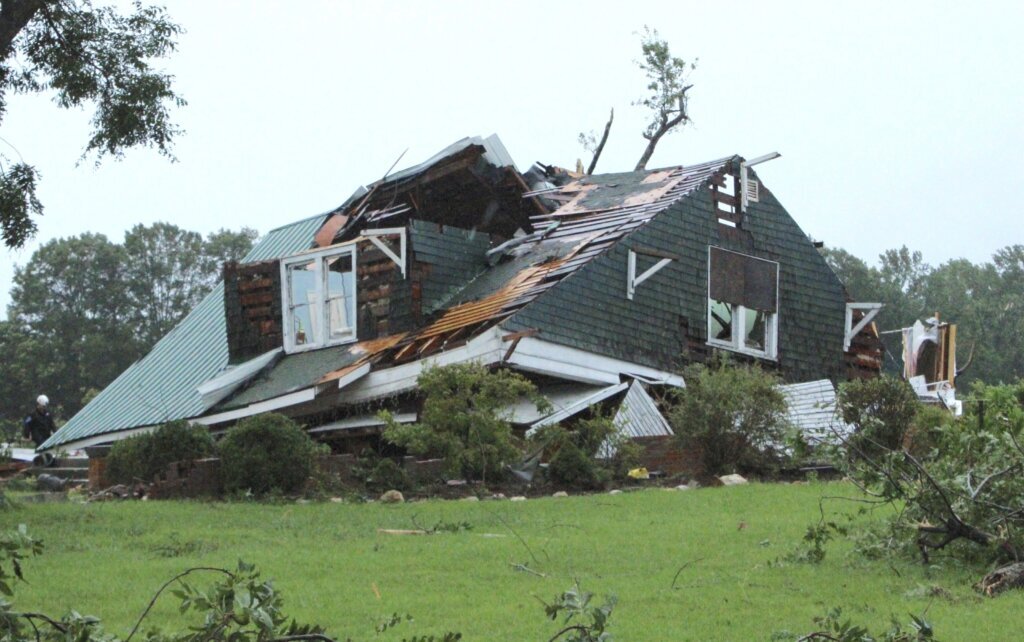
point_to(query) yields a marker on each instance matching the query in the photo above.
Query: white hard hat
(43, 400)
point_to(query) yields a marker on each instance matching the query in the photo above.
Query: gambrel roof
(500, 265)
(162, 386)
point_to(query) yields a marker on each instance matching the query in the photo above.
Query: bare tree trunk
(664, 127)
(14, 16)
(600, 146)
(1002, 579)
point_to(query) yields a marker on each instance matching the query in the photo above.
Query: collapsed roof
(485, 243)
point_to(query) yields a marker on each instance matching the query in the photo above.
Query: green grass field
(107, 559)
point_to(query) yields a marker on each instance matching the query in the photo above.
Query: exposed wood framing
(399, 259)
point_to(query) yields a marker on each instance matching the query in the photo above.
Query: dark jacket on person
(39, 426)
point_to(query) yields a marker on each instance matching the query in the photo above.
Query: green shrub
(141, 457)
(734, 416)
(572, 467)
(589, 453)
(128, 461)
(379, 473)
(266, 453)
(881, 411)
(465, 418)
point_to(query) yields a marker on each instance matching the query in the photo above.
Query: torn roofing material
(597, 212)
(811, 409)
(638, 415)
(472, 184)
(473, 180)
(163, 385)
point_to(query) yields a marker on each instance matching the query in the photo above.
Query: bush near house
(141, 457)
(465, 419)
(588, 454)
(881, 410)
(733, 415)
(266, 453)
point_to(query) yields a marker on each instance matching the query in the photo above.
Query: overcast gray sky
(898, 122)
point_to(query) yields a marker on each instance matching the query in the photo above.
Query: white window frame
(319, 309)
(739, 320)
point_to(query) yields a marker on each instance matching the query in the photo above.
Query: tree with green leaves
(666, 99)
(168, 270)
(983, 299)
(85, 55)
(69, 303)
(84, 308)
(667, 86)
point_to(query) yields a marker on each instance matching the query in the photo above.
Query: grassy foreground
(107, 559)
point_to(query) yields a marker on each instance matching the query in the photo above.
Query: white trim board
(95, 440)
(291, 399)
(531, 355)
(577, 407)
(363, 421)
(545, 357)
(223, 384)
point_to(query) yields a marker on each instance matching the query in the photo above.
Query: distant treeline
(84, 308)
(985, 300)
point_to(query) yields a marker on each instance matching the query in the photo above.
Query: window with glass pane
(755, 327)
(742, 302)
(721, 321)
(340, 296)
(319, 298)
(302, 296)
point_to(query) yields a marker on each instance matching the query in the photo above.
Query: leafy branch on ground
(832, 626)
(954, 483)
(240, 607)
(583, 620)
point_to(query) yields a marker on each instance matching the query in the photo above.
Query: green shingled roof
(162, 385)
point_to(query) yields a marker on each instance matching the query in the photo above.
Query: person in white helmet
(39, 425)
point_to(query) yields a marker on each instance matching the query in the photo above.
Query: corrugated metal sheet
(494, 151)
(162, 385)
(812, 410)
(638, 416)
(561, 396)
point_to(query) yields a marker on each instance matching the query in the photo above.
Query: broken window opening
(728, 190)
(720, 323)
(319, 299)
(742, 303)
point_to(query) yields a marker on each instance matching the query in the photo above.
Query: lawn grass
(333, 568)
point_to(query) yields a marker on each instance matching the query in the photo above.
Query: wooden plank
(650, 251)
(531, 332)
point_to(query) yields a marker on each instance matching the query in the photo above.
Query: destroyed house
(597, 287)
